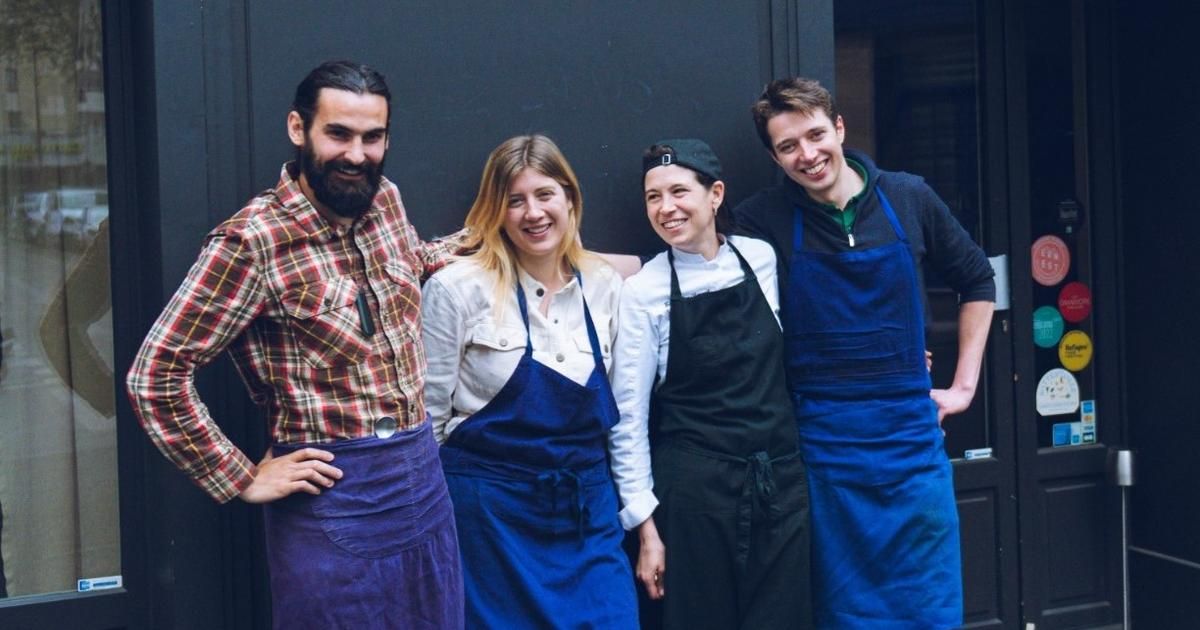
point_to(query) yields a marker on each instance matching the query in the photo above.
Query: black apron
(734, 499)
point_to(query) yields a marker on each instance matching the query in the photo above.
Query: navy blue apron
(377, 550)
(884, 522)
(734, 502)
(535, 504)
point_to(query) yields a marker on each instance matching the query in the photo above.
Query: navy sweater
(934, 235)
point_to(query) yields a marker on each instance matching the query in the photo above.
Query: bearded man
(314, 288)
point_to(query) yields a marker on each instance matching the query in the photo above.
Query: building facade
(128, 130)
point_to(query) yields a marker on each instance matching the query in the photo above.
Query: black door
(994, 105)
(1064, 274)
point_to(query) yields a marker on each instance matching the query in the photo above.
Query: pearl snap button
(385, 427)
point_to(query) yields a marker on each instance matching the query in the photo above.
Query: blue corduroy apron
(884, 522)
(377, 550)
(535, 504)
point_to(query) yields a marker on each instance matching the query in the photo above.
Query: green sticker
(1047, 326)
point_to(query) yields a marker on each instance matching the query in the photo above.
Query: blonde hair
(494, 252)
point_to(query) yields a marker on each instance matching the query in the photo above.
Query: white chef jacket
(642, 348)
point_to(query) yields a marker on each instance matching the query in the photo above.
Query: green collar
(845, 217)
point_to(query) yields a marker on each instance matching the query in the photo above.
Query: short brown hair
(795, 94)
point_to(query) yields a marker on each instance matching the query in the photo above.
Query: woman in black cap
(721, 507)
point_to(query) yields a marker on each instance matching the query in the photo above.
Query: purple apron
(378, 550)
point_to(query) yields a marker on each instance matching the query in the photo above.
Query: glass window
(1064, 329)
(58, 455)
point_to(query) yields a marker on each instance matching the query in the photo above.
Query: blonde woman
(518, 338)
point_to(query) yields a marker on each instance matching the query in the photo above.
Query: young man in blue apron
(851, 241)
(314, 288)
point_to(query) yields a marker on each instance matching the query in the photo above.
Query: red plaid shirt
(276, 284)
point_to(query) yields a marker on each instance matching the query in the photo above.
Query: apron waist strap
(760, 485)
(465, 461)
(551, 483)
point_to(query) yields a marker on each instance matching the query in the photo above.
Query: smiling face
(681, 210)
(341, 154)
(536, 218)
(808, 147)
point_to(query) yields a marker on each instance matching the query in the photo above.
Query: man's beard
(345, 198)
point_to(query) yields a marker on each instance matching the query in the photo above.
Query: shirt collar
(531, 285)
(853, 201)
(689, 258)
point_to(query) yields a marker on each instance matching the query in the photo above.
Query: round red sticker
(1075, 302)
(1051, 260)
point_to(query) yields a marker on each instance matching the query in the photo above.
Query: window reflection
(58, 490)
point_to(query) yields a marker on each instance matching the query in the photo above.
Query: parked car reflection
(70, 214)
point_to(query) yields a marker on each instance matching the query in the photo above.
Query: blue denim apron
(535, 504)
(884, 521)
(377, 550)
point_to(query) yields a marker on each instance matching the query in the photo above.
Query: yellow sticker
(1075, 350)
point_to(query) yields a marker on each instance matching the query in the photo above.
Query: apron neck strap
(593, 337)
(891, 214)
(798, 221)
(747, 270)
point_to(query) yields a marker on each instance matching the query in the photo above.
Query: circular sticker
(1047, 326)
(1075, 350)
(1075, 302)
(1051, 260)
(1057, 393)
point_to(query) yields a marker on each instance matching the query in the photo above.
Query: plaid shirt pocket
(324, 318)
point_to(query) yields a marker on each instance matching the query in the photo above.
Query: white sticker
(977, 453)
(1057, 393)
(1000, 268)
(99, 583)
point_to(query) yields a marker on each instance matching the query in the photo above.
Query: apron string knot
(552, 480)
(763, 475)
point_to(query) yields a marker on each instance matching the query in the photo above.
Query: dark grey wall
(202, 89)
(604, 79)
(1159, 90)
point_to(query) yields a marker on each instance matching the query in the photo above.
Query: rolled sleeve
(635, 366)
(215, 303)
